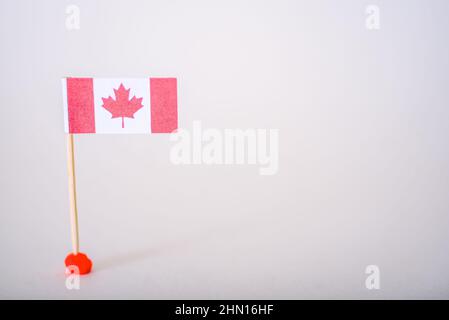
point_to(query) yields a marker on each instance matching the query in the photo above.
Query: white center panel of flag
(141, 121)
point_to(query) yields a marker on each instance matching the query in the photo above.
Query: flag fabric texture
(133, 105)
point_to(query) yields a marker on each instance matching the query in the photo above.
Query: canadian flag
(134, 105)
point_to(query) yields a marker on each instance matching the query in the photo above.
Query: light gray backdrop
(363, 177)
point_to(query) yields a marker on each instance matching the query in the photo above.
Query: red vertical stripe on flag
(164, 105)
(80, 102)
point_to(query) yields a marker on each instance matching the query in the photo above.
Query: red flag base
(80, 261)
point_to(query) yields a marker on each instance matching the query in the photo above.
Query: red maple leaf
(122, 107)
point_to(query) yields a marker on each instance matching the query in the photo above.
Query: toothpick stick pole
(72, 193)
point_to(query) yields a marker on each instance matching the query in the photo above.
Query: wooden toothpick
(72, 194)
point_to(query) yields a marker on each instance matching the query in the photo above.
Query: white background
(364, 169)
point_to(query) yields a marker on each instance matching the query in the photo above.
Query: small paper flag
(136, 105)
